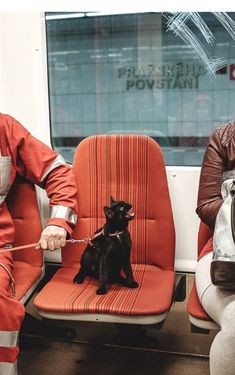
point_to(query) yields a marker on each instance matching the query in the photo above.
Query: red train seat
(128, 167)
(197, 315)
(28, 263)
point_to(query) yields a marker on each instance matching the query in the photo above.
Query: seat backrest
(23, 206)
(131, 168)
(204, 233)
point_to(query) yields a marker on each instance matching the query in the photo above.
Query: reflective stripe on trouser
(7, 368)
(11, 315)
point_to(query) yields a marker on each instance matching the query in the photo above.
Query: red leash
(30, 245)
(5, 249)
(72, 240)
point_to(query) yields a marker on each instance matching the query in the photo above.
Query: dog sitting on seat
(108, 252)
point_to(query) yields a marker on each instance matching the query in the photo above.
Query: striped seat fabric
(130, 168)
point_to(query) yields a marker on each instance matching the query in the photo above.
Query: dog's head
(119, 213)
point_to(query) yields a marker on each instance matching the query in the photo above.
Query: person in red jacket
(22, 154)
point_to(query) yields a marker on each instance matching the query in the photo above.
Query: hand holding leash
(52, 237)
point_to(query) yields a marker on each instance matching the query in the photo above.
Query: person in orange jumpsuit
(23, 154)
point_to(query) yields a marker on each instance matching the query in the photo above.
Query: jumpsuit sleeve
(44, 167)
(209, 194)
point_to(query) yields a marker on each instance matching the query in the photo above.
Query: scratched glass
(129, 73)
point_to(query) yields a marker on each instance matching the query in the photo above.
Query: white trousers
(7, 368)
(220, 306)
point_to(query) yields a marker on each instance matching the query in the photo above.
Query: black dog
(109, 251)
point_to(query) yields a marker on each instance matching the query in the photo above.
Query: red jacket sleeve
(62, 193)
(44, 167)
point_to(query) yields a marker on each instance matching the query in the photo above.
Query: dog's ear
(111, 199)
(108, 212)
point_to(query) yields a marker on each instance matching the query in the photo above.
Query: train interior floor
(103, 349)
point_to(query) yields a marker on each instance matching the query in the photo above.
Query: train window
(128, 73)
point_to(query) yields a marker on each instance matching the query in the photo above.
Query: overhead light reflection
(68, 15)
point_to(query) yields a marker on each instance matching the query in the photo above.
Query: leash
(71, 240)
(5, 249)
(31, 245)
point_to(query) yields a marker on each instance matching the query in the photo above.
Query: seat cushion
(25, 277)
(194, 306)
(152, 297)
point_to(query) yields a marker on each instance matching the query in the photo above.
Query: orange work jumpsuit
(21, 153)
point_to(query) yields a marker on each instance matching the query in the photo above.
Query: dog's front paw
(133, 284)
(101, 290)
(78, 279)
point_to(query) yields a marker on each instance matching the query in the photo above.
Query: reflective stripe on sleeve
(63, 212)
(59, 160)
(5, 176)
(2, 198)
(8, 338)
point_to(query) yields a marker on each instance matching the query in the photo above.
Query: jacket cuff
(228, 175)
(63, 212)
(62, 223)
